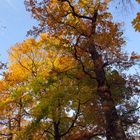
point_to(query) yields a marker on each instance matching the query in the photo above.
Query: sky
(126, 14)
(15, 21)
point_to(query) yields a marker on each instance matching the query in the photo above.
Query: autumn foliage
(70, 83)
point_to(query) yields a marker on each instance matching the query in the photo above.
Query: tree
(40, 89)
(36, 90)
(136, 22)
(94, 40)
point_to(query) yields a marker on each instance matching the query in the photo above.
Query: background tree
(37, 84)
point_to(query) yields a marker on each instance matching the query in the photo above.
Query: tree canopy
(71, 82)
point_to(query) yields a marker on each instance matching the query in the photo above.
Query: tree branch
(73, 122)
(79, 59)
(74, 13)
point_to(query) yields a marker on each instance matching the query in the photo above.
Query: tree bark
(56, 131)
(114, 129)
(10, 135)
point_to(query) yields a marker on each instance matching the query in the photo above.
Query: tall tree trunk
(56, 131)
(10, 135)
(19, 115)
(114, 129)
